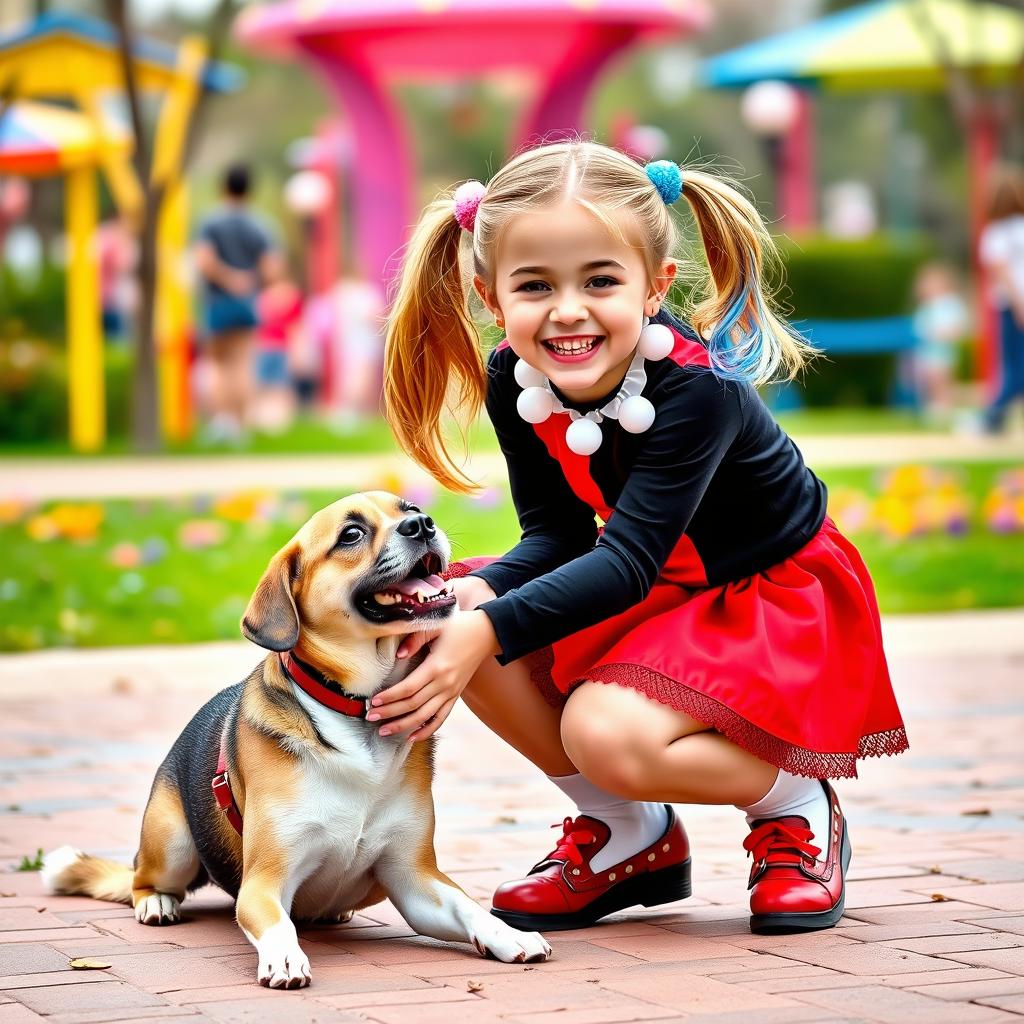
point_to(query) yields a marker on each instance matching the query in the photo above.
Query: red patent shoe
(795, 885)
(562, 892)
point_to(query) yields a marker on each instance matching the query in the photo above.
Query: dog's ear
(272, 620)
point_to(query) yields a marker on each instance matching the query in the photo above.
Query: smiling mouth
(421, 594)
(573, 346)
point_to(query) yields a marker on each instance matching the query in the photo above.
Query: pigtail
(746, 339)
(432, 358)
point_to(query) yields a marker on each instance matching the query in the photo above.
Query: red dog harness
(336, 700)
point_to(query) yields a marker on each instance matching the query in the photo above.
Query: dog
(278, 790)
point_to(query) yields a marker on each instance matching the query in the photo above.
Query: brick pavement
(934, 930)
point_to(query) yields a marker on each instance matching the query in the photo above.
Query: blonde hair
(432, 351)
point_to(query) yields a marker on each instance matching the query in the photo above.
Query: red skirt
(787, 663)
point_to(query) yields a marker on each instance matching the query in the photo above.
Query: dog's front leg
(434, 905)
(264, 900)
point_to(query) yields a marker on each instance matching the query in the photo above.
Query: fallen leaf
(978, 812)
(505, 819)
(85, 964)
(935, 869)
(474, 986)
(8, 894)
(937, 897)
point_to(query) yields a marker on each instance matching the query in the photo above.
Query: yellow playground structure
(76, 60)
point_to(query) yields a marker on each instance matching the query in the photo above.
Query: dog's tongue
(430, 586)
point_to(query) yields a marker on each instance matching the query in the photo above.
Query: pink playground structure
(361, 50)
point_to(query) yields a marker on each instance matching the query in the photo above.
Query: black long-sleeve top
(714, 465)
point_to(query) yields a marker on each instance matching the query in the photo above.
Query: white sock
(794, 795)
(634, 824)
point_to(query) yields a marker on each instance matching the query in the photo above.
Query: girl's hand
(424, 699)
(470, 591)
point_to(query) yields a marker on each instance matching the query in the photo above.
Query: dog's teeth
(385, 598)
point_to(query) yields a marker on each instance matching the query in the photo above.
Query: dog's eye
(349, 536)
(411, 508)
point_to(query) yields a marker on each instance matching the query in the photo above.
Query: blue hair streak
(745, 353)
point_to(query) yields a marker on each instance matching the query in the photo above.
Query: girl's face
(572, 296)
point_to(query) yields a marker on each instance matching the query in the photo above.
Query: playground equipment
(362, 50)
(68, 57)
(888, 45)
(36, 141)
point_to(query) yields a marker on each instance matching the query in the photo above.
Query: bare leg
(506, 700)
(643, 750)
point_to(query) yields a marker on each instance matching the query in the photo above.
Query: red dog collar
(336, 700)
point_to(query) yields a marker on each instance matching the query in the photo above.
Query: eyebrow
(587, 266)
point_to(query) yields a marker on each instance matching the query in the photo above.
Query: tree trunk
(145, 390)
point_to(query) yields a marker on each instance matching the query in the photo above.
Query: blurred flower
(850, 508)
(421, 492)
(489, 497)
(1003, 507)
(201, 533)
(125, 555)
(42, 528)
(241, 507)
(78, 522)
(131, 583)
(154, 549)
(390, 482)
(12, 510)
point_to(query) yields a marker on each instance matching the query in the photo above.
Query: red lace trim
(798, 760)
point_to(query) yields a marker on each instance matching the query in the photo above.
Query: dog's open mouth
(421, 593)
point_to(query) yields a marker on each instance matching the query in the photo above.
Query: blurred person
(235, 253)
(357, 351)
(940, 321)
(279, 308)
(117, 254)
(1001, 250)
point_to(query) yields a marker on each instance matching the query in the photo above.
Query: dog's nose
(419, 525)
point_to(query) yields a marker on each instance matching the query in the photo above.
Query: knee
(605, 756)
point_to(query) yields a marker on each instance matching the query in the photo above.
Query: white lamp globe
(535, 405)
(770, 108)
(583, 437)
(526, 376)
(636, 414)
(656, 341)
(307, 193)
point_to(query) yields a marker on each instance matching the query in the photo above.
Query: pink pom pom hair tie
(467, 201)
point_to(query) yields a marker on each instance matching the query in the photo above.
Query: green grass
(63, 593)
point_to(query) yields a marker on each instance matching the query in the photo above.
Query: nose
(419, 525)
(568, 310)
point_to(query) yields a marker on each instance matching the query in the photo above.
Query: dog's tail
(72, 873)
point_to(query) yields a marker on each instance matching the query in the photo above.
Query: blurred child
(940, 322)
(279, 309)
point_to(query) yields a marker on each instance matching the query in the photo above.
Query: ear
(659, 287)
(272, 620)
(486, 296)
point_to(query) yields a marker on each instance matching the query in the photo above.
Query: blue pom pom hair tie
(667, 178)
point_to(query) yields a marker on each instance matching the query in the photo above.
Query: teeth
(420, 597)
(572, 348)
(383, 598)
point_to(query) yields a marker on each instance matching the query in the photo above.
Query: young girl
(739, 626)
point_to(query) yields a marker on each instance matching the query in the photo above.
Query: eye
(349, 536)
(603, 282)
(529, 286)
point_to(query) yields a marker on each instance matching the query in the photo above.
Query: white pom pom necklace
(635, 413)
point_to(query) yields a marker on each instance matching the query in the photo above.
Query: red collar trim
(354, 707)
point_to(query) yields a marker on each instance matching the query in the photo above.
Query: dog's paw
(160, 908)
(495, 938)
(284, 969)
(282, 962)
